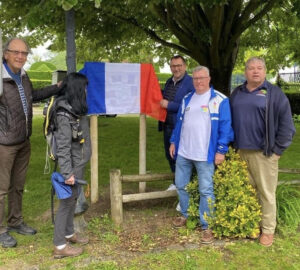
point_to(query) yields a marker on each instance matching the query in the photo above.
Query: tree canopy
(208, 31)
(275, 37)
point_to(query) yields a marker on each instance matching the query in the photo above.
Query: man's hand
(70, 181)
(172, 150)
(219, 158)
(164, 103)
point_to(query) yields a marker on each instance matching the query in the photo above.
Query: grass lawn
(147, 240)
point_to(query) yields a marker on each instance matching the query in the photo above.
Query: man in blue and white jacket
(200, 138)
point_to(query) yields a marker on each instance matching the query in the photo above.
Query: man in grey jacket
(15, 130)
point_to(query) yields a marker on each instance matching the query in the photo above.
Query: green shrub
(237, 212)
(296, 118)
(288, 205)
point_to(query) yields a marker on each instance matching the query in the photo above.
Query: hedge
(39, 75)
(294, 99)
(43, 66)
(163, 77)
(40, 84)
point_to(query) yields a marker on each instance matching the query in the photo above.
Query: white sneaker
(178, 208)
(172, 187)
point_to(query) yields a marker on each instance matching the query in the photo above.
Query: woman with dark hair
(73, 152)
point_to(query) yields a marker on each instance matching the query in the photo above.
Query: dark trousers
(167, 135)
(13, 167)
(64, 218)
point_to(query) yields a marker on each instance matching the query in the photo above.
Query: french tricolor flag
(123, 88)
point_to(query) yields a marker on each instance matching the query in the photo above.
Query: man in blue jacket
(175, 89)
(201, 137)
(263, 127)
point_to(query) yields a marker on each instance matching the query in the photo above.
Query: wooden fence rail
(289, 182)
(117, 198)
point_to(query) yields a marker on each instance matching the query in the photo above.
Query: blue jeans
(205, 173)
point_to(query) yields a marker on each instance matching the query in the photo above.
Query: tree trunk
(221, 79)
(220, 64)
(70, 40)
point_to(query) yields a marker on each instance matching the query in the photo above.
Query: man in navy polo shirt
(175, 89)
(263, 128)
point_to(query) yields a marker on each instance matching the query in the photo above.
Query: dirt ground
(147, 228)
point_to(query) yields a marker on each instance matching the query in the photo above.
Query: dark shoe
(79, 239)
(22, 229)
(207, 237)
(179, 222)
(7, 241)
(68, 251)
(266, 239)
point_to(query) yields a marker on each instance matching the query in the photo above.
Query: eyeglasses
(176, 66)
(24, 54)
(200, 78)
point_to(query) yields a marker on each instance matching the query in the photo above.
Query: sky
(40, 51)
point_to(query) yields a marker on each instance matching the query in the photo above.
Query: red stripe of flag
(151, 94)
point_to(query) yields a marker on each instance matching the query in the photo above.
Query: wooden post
(94, 159)
(142, 151)
(116, 203)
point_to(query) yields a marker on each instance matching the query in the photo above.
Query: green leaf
(98, 3)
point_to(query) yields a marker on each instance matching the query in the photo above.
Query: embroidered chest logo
(262, 93)
(204, 108)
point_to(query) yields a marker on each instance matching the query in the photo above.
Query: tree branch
(216, 22)
(152, 34)
(240, 26)
(201, 16)
(232, 10)
(184, 38)
(260, 14)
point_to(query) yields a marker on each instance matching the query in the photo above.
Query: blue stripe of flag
(96, 87)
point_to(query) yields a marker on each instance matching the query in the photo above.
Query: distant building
(291, 75)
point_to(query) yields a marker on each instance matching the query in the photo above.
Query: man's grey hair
(199, 68)
(254, 59)
(7, 43)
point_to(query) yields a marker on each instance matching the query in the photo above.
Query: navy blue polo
(248, 117)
